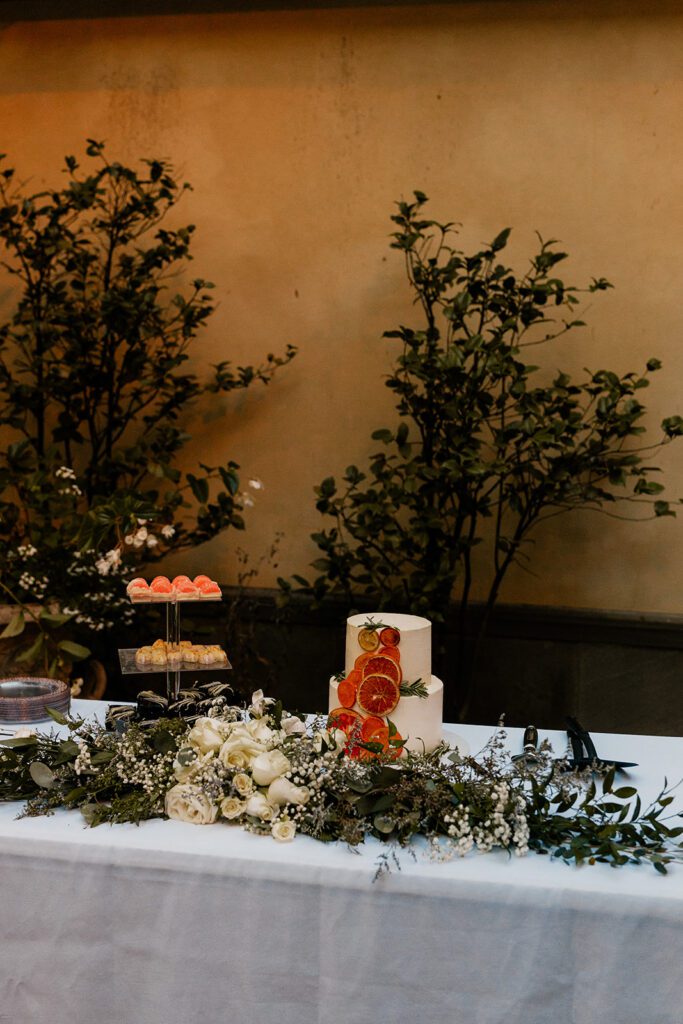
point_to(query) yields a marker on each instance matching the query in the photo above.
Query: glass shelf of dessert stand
(129, 667)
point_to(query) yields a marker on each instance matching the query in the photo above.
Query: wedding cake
(387, 694)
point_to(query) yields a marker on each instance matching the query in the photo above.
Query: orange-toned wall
(299, 129)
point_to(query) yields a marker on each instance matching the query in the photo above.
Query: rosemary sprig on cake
(416, 689)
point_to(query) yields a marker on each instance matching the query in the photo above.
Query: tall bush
(486, 447)
(94, 393)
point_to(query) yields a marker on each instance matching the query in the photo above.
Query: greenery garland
(271, 772)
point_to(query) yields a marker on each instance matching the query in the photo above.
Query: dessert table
(170, 922)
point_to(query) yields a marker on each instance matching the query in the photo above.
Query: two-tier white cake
(388, 679)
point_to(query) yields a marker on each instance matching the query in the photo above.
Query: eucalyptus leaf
(42, 775)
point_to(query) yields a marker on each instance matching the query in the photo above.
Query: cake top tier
(384, 633)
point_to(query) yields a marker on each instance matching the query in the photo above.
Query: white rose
(283, 831)
(231, 807)
(282, 791)
(167, 531)
(259, 702)
(190, 803)
(243, 784)
(333, 740)
(206, 735)
(258, 807)
(268, 766)
(293, 726)
(239, 751)
(260, 730)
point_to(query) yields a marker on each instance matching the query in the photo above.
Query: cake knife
(530, 744)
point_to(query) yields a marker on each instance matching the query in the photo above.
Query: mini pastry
(161, 588)
(143, 655)
(209, 589)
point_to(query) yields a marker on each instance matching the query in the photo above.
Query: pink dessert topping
(185, 588)
(138, 584)
(181, 579)
(209, 587)
(202, 579)
(161, 585)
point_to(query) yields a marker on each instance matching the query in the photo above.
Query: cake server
(585, 754)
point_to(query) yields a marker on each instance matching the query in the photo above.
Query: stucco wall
(298, 130)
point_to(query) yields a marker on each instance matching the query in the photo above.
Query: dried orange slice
(344, 719)
(390, 637)
(374, 730)
(368, 639)
(378, 694)
(390, 652)
(382, 666)
(346, 692)
(363, 659)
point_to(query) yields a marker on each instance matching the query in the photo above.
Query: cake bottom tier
(419, 720)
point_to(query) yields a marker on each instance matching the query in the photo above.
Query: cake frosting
(386, 655)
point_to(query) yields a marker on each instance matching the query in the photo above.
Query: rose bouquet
(277, 773)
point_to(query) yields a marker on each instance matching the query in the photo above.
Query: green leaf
(42, 775)
(57, 716)
(15, 626)
(76, 651)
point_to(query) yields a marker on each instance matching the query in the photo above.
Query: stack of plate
(27, 698)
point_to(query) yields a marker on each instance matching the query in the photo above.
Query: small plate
(27, 698)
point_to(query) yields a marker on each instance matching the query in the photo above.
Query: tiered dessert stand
(127, 656)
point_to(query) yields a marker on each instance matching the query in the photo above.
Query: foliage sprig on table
(272, 773)
(94, 393)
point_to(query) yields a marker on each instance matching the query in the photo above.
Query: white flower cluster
(238, 770)
(142, 537)
(37, 585)
(151, 775)
(107, 562)
(82, 762)
(101, 607)
(245, 497)
(26, 551)
(68, 474)
(506, 826)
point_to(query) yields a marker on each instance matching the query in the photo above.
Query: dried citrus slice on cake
(380, 665)
(344, 719)
(363, 659)
(374, 730)
(390, 637)
(368, 639)
(390, 652)
(378, 694)
(350, 723)
(346, 692)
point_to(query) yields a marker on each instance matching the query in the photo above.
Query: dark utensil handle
(530, 737)
(584, 737)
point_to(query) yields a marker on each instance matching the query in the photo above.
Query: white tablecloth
(169, 923)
